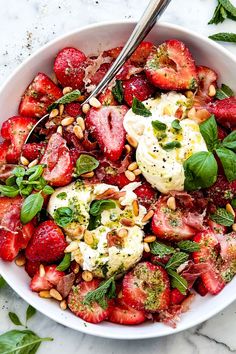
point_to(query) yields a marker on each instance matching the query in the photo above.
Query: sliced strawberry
(4, 146)
(146, 194)
(176, 297)
(100, 73)
(53, 275)
(171, 224)
(216, 228)
(200, 287)
(59, 167)
(69, 67)
(113, 52)
(171, 67)
(224, 111)
(93, 313)
(38, 96)
(73, 109)
(39, 283)
(106, 125)
(107, 99)
(47, 244)
(32, 151)
(140, 55)
(207, 77)
(128, 70)
(212, 279)
(31, 267)
(147, 287)
(123, 314)
(118, 179)
(137, 86)
(50, 278)
(222, 191)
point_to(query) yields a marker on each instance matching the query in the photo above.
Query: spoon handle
(152, 13)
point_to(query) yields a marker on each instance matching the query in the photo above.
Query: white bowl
(91, 40)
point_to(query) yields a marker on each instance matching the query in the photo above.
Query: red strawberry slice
(147, 288)
(212, 279)
(222, 191)
(47, 280)
(38, 96)
(93, 313)
(33, 151)
(171, 67)
(53, 275)
(123, 314)
(207, 77)
(224, 111)
(69, 67)
(200, 287)
(100, 73)
(59, 166)
(118, 179)
(137, 86)
(106, 125)
(176, 297)
(107, 99)
(4, 146)
(216, 228)
(171, 224)
(73, 109)
(47, 244)
(146, 194)
(39, 283)
(31, 267)
(140, 55)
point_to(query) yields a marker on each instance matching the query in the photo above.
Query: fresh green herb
(14, 319)
(224, 10)
(230, 141)
(176, 125)
(40, 184)
(224, 37)
(98, 206)
(9, 191)
(2, 282)
(224, 92)
(34, 172)
(200, 171)
(228, 6)
(209, 132)
(30, 312)
(176, 260)
(222, 217)
(11, 181)
(140, 109)
(188, 246)
(48, 190)
(20, 342)
(68, 98)
(86, 163)
(118, 91)
(157, 125)
(228, 160)
(30, 207)
(18, 171)
(107, 290)
(233, 203)
(62, 195)
(172, 145)
(65, 263)
(160, 249)
(94, 222)
(177, 281)
(63, 216)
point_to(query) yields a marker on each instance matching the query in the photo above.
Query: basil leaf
(62, 195)
(39, 184)
(20, 342)
(228, 160)
(176, 125)
(118, 91)
(188, 246)
(160, 249)
(230, 141)
(9, 191)
(30, 207)
(30, 312)
(200, 171)
(172, 145)
(140, 109)
(209, 132)
(26, 190)
(35, 172)
(224, 92)
(65, 263)
(94, 222)
(2, 282)
(11, 181)
(176, 260)
(107, 289)
(14, 319)
(228, 6)
(48, 190)
(233, 203)
(98, 206)
(19, 181)
(18, 171)
(63, 216)
(86, 163)
(224, 37)
(156, 124)
(218, 16)
(68, 98)
(222, 217)
(177, 281)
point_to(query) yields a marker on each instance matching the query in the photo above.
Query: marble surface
(26, 25)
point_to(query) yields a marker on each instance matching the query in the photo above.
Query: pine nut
(135, 206)
(234, 227)
(189, 94)
(130, 175)
(133, 166)
(87, 275)
(88, 237)
(63, 305)
(55, 294)
(66, 90)
(79, 258)
(149, 239)
(45, 294)
(59, 129)
(171, 203)
(85, 108)
(212, 91)
(127, 148)
(33, 163)
(120, 294)
(87, 175)
(81, 98)
(41, 270)
(24, 161)
(230, 209)
(133, 142)
(61, 109)
(202, 115)
(146, 247)
(20, 261)
(67, 121)
(122, 233)
(71, 247)
(94, 102)
(137, 172)
(127, 222)
(148, 216)
(80, 122)
(54, 113)
(192, 113)
(77, 130)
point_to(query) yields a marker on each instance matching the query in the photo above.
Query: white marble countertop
(26, 25)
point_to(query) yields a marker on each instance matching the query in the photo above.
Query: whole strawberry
(47, 244)
(222, 192)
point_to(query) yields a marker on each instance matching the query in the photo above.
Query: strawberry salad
(123, 209)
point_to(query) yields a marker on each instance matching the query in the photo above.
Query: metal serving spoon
(152, 13)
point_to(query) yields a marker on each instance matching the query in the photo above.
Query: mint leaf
(156, 124)
(68, 98)
(176, 260)
(98, 206)
(228, 160)
(30, 312)
(177, 281)
(118, 91)
(160, 249)
(228, 6)
(2, 282)
(219, 15)
(140, 109)
(222, 217)
(63, 216)
(188, 246)
(14, 319)
(107, 289)
(65, 263)
(224, 37)
(224, 92)
(86, 163)
(172, 145)
(30, 207)
(176, 125)
(209, 132)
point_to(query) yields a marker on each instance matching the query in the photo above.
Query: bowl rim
(99, 331)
